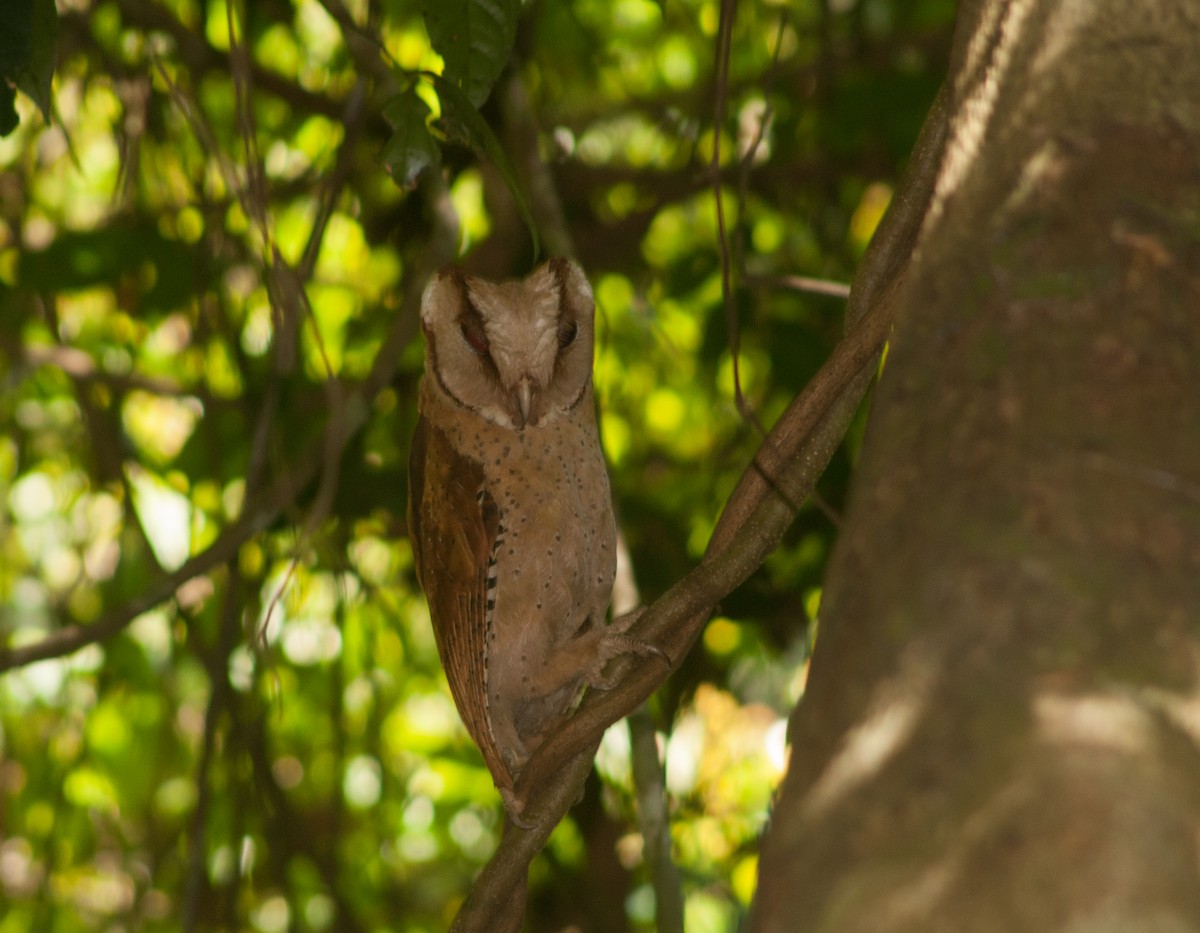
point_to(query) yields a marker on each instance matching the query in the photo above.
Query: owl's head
(516, 353)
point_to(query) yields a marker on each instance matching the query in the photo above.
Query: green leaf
(28, 32)
(474, 38)
(463, 123)
(411, 148)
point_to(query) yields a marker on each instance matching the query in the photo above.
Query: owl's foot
(616, 645)
(622, 624)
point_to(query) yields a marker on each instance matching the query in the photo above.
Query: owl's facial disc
(519, 353)
(523, 348)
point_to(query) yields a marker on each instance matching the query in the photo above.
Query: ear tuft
(573, 287)
(447, 288)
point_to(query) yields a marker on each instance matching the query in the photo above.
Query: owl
(510, 514)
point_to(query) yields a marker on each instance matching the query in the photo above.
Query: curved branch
(553, 776)
(789, 462)
(868, 320)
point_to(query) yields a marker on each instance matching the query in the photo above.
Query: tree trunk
(1002, 725)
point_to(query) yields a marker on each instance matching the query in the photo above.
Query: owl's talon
(645, 649)
(514, 806)
(658, 654)
(627, 620)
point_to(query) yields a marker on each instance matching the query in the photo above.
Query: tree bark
(1001, 730)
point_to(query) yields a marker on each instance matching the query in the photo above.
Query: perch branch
(789, 461)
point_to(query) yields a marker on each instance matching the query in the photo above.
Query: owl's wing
(454, 524)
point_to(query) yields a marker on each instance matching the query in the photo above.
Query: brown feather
(455, 523)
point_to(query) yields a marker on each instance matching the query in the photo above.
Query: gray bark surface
(1001, 730)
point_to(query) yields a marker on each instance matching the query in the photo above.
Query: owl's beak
(525, 398)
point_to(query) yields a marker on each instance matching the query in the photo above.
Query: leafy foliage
(222, 706)
(474, 38)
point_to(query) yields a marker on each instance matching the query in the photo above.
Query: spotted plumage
(509, 506)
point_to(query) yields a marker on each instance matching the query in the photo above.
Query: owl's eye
(475, 337)
(566, 334)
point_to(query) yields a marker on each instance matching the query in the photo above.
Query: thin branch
(654, 822)
(720, 107)
(649, 778)
(354, 120)
(71, 638)
(205, 137)
(370, 55)
(799, 283)
(255, 200)
(196, 879)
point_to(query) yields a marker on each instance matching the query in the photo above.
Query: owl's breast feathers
(455, 528)
(514, 542)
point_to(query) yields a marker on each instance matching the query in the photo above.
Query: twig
(654, 822)
(720, 103)
(196, 879)
(353, 119)
(801, 283)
